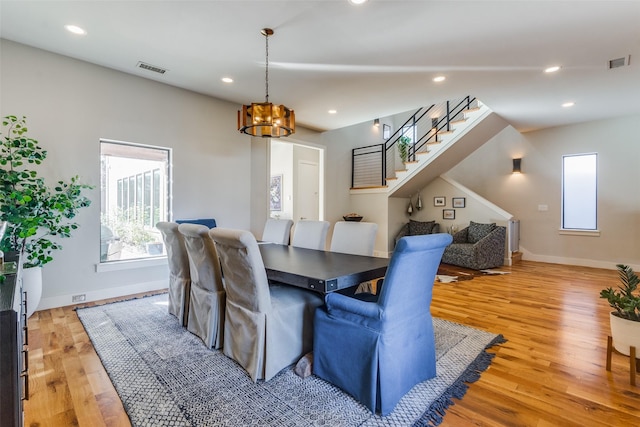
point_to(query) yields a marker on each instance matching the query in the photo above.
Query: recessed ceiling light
(75, 30)
(227, 79)
(332, 111)
(568, 104)
(357, 1)
(552, 69)
(439, 79)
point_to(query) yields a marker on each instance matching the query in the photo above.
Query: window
(135, 194)
(411, 132)
(579, 191)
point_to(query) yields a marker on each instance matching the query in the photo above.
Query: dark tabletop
(321, 271)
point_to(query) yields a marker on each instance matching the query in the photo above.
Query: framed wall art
(439, 201)
(275, 193)
(448, 214)
(458, 202)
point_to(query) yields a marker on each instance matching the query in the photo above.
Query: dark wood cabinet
(14, 379)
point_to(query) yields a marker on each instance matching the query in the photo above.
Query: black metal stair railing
(372, 165)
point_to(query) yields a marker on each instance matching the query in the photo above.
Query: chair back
(244, 274)
(356, 238)
(209, 222)
(277, 231)
(176, 250)
(310, 234)
(203, 257)
(408, 283)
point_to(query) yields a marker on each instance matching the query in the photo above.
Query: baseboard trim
(65, 300)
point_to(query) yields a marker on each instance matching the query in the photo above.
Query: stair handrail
(430, 136)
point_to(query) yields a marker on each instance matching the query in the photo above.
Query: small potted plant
(36, 214)
(625, 320)
(403, 147)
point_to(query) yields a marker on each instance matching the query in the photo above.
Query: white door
(308, 193)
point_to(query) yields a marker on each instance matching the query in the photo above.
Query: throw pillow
(418, 228)
(479, 231)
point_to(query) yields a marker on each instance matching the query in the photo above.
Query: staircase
(449, 132)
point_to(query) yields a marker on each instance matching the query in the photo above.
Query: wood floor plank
(550, 372)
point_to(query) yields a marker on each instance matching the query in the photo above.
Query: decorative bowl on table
(353, 217)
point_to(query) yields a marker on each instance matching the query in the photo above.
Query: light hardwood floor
(550, 372)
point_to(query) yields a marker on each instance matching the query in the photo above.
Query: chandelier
(263, 118)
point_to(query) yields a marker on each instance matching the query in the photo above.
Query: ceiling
(366, 61)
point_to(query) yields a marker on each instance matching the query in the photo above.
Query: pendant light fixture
(419, 202)
(263, 118)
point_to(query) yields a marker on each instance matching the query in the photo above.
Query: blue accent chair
(209, 222)
(377, 347)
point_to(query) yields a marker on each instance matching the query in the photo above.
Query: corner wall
(488, 172)
(71, 104)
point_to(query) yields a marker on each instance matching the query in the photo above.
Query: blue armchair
(377, 347)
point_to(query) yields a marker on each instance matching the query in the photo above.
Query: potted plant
(403, 147)
(37, 215)
(625, 320)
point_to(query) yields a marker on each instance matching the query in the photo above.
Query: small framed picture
(386, 131)
(448, 214)
(439, 201)
(458, 202)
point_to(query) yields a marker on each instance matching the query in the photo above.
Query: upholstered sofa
(417, 228)
(478, 246)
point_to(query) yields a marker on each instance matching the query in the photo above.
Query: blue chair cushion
(209, 222)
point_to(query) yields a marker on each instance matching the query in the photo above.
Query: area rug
(448, 273)
(165, 376)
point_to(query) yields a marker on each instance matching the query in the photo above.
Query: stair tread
(368, 187)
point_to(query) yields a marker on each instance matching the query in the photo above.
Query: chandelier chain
(266, 71)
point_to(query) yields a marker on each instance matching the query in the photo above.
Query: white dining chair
(179, 272)
(277, 231)
(310, 234)
(207, 297)
(357, 238)
(267, 326)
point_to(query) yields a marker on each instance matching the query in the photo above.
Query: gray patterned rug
(166, 377)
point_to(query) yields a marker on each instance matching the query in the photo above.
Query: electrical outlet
(78, 298)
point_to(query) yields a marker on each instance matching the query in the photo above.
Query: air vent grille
(150, 67)
(619, 62)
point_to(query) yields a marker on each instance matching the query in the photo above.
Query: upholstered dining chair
(377, 347)
(357, 238)
(310, 234)
(179, 273)
(267, 327)
(277, 231)
(207, 297)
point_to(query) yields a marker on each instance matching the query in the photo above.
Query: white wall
(488, 172)
(71, 104)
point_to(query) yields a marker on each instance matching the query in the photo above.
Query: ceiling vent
(619, 62)
(153, 68)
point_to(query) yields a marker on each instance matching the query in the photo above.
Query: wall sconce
(376, 122)
(517, 166)
(410, 207)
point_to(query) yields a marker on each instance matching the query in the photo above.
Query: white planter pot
(625, 334)
(32, 285)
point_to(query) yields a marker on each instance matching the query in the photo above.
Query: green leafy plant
(403, 147)
(625, 300)
(34, 212)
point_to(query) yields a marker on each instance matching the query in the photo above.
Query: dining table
(320, 271)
